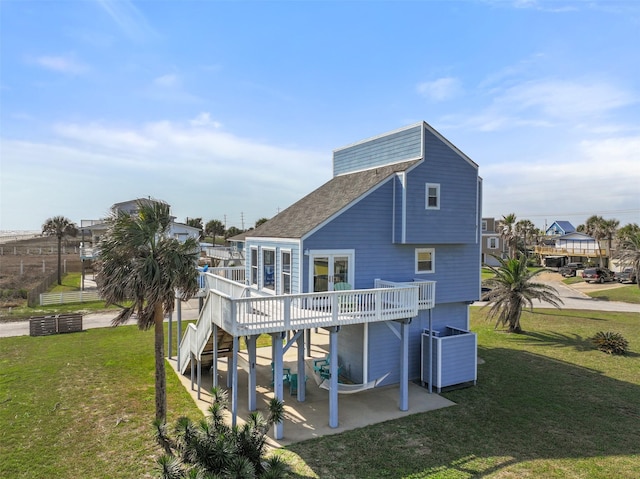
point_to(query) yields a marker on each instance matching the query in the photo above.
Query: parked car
(570, 269)
(597, 275)
(627, 275)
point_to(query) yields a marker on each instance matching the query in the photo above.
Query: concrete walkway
(310, 419)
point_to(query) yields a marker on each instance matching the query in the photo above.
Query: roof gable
(328, 200)
(560, 227)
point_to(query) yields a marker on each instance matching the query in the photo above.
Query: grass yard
(546, 405)
(82, 405)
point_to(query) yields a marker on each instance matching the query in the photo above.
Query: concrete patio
(310, 419)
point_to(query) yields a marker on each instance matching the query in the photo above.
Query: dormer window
(432, 196)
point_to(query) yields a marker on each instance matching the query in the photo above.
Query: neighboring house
(361, 256)
(569, 248)
(559, 228)
(493, 244)
(93, 230)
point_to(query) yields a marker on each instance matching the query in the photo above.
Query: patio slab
(310, 419)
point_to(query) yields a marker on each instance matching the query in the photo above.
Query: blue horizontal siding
(457, 219)
(392, 148)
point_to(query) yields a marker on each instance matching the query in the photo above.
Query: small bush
(610, 342)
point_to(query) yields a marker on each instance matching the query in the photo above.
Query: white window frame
(285, 275)
(432, 251)
(493, 243)
(428, 186)
(254, 266)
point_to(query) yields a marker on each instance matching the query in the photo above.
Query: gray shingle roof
(319, 205)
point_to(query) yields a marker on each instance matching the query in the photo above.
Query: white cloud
(199, 171)
(128, 18)
(441, 89)
(62, 64)
(167, 81)
(204, 119)
(594, 177)
(564, 99)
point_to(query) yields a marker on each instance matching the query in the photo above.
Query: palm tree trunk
(161, 378)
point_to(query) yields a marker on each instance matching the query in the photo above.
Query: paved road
(93, 320)
(575, 297)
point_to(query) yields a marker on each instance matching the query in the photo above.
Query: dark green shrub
(211, 448)
(610, 342)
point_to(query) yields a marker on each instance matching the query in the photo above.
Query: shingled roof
(321, 204)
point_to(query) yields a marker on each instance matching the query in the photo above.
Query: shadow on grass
(554, 339)
(577, 315)
(526, 412)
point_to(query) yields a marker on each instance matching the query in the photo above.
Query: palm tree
(507, 230)
(512, 289)
(214, 228)
(525, 229)
(141, 264)
(59, 226)
(629, 252)
(596, 227)
(609, 229)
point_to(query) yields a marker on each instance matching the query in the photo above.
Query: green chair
(286, 375)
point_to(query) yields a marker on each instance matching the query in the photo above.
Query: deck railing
(426, 294)
(561, 250)
(253, 314)
(241, 310)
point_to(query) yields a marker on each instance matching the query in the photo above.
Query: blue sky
(231, 110)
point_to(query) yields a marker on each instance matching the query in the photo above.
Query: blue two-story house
(386, 250)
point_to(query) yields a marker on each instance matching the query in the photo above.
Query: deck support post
(307, 333)
(333, 379)
(179, 333)
(214, 366)
(251, 389)
(302, 373)
(193, 360)
(278, 364)
(233, 371)
(404, 365)
(199, 376)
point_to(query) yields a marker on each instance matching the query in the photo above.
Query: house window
(425, 260)
(268, 268)
(285, 260)
(433, 196)
(492, 243)
(254, 266)
(484, 225)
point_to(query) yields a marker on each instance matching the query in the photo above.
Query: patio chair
(286, 375)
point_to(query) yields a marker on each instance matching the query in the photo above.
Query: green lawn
(546, 405)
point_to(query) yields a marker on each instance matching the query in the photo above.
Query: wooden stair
(225, 348)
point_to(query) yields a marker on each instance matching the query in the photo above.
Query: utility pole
(242, 220)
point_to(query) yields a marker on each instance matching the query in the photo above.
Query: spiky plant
(513, 289)
(610, 342)
(213, 449)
